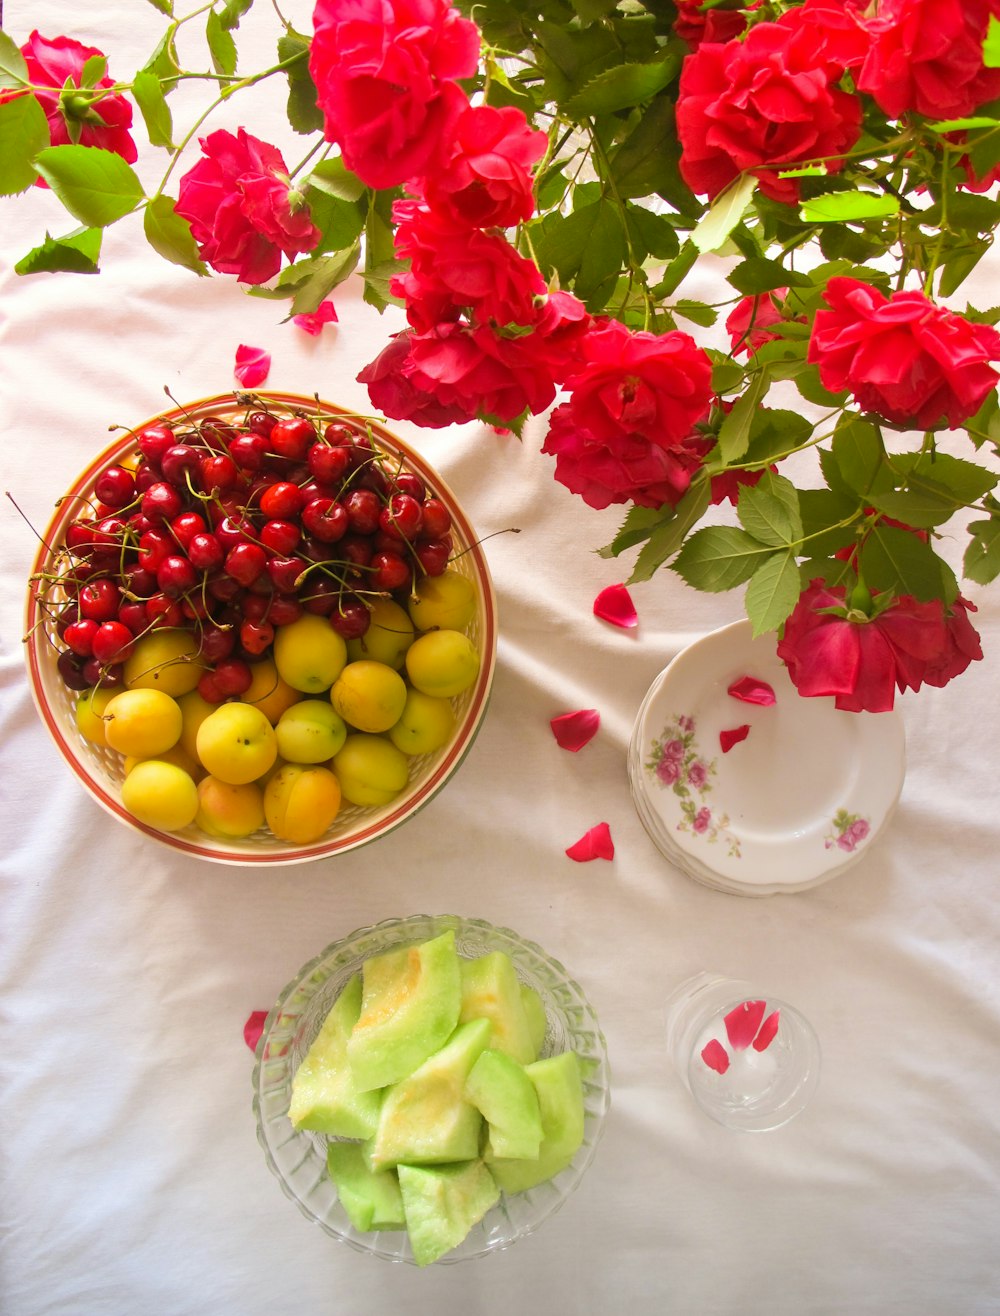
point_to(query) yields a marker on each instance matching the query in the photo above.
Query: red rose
(836, 30)
(238, 201)
(485, 181)
(909, 361)
(762, 104)
(621, 468)
(385, 75)
(749, 320)
(927, 56)
(962, 646)
(400, 391)
(103, 122)
(696, 26)
(455, 268)
(830, 649)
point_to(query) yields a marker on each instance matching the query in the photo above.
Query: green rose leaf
(860, 456)
(93, 71)
(232, 12)
(843, 207)
(304, 114)
(734, 432)
(333, 176)
(773, 592)
(339, 221)
(380, 251)
(774, 433)
(829, 520)
(221, 46)
(759, 275)
(769, 510)
(96, 186)
(623, 86)
(13, 69)
(170, 235)
(898, 560)
(698, 312)
(24, 132)
(326, 273)
(76, 253)
(982, 556)
(718, 558)
(637, 527)
(163, 62)
(655, 233)
(991, 44)
(164, 6)
(586, 248)
(960, 125)
(667, 537)
(939, 472)
(149, 96)
(646, 163)
(713, 229)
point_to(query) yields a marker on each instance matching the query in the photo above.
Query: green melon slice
(559, 1089)
(534, 1011)
(425, 1118)
(505, 1096)
(372, 1200)
(442, 1203)
(491, 990)
(410, 1006)
(325, 1097)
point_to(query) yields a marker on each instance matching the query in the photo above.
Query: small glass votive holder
(750, 1061)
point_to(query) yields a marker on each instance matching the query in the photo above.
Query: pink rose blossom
(697, 774)
(702, 819)
(668, 771)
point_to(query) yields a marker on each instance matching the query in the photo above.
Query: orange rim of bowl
(389, 817)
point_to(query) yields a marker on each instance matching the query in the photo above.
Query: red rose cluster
(830, 648)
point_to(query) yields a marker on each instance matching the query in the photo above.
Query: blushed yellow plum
(142, 722)
(369, 695)
(178, 755)
(309, 654)
(194, 709)
(227, 810)
(442, 663)
(425, 725)
(164, 660)
(269, 691)
(237, 743)
(444, 602)
(89, 714)
(301, 802)
(311, 731)
(371, 770)
(390, 633)
(161, 795)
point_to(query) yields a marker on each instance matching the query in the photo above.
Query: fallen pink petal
(715, 1056)
(727, 739)
(253, 365)
(253, 1028)
(312, 322)
(743, 1022)
(574, 730)
(751, 690)
(768, 1032)
(595, 844)
(614, 604)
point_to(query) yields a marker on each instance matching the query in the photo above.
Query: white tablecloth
(130, 1176)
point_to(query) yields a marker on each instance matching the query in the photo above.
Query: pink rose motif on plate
(675, 762)
(849, 830)
(701, 820)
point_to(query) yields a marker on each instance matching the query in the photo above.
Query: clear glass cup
(750, 1061)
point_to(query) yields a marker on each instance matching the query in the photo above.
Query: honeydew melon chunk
(491, 990)
(559, 1089)
(425, 1118)
(505, 1096)
(410, 1005)
(442, 1203)
(325, 1097)
(534, 1010)
(371, 1199)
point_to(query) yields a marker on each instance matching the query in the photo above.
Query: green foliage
(76, 253)
(96, 186)
(24, 132)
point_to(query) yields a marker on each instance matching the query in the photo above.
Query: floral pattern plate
(755, 795)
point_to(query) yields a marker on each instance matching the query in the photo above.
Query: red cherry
(409, 482)
(145, 475)
(154, 441)
(70, 667)
(284, 573)
(261, 422)
(328, 464)
(218, 473)
(194, 607)
(292, 438)
(230, 532)
(433, 555)
(161, 502)
(154, 547)
(140, 581)
(320, 596)
(233, 676)
(224, 588)
(115, 486)
(180, 461)
(254, 607)
(79, 636)
(133, 615)
(437, 518)
(80, 538)
(176, 576)
(256, 636)
(186, 526)
(100, 599)
(284, 610)
(363, 507)
(205, 552)
(245, 562)
(356, 549)
(216, 433)
(351, 619)
(97, 674)
(281, 499)
(163, 613)
(249, 451)
(281, 537)
(113, 642)
(339, 435)
(216, 643)
(390, 571)
(401, 517)
(209, 690)
(325, 519)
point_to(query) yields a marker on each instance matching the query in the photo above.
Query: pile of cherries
(228, 529)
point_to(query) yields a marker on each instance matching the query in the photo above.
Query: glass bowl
(100, 770)
(298, 1158)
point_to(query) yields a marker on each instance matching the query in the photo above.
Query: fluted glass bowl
(298, 1158)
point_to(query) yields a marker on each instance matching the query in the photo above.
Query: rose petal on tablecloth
(715, 1056)
(595, 844)
(752, 690)
(614, 604)
(253, 365)
(727, 739)
(743, 1022)
(574, 730)
(312, 323)
(253, 1028)
(768, 1032)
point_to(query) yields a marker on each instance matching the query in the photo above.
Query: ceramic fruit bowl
(318, 514)
(298, 1157)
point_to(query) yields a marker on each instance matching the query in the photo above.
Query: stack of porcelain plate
(747, 786)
